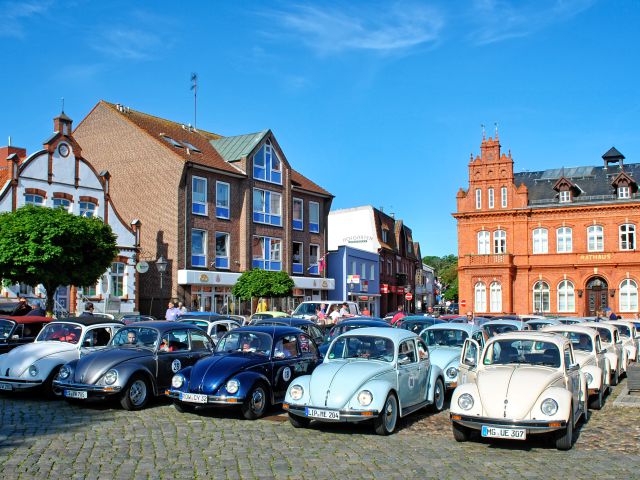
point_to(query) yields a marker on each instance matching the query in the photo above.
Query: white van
(307, 310)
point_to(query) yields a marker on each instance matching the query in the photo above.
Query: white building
(59, 177)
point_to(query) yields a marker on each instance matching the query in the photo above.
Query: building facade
(59, 176)
(357, 276)
(559, 241)
(212, 206)
(425, 288)
(372, 230)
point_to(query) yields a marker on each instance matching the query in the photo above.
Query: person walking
(37, 310)
(335, 314)
(399, 315)
(22, 308)
(88, 310)
(182, 308)
(172, 312)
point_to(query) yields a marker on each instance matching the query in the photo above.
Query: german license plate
(75, 394)
(510, 433)
(326, 414)
(193, 397)
(6, 387)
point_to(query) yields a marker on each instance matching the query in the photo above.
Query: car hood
(333, 383)
(209, 373)
(510, 391)
(443, 356)
(91, 367)
(20, 358)
(584, 358)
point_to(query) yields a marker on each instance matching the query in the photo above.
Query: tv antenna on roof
(194, 87)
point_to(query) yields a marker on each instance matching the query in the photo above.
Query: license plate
(326, 414)
(6, 386)
(193, 397)
(510, 433)
(75, 394)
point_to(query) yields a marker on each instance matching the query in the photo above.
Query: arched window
(595, 238)
(484, 243)
(499, 242)
(495, 297)
(480, 303)
(566, 297)
(540, 240)
(541, 297)
(628, 296)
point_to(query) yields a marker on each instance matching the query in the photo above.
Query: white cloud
(123, 43)
(12, 15)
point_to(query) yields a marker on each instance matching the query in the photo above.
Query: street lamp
(161, 265)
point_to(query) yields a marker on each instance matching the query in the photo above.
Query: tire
(385, 423)
(460, 432)
(47, 385)
(256, 403)
(438, 395)
(597, 401)
(182, 408)
(564, 440)
(615, 379)
(136, 393)
(299, 422)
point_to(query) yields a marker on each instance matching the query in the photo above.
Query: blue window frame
(267, 253)
(314, 217)
(297, 258)
(222, 250)
(314, 254)
(297, 221)
(222, 199)
(198, 195)
(266, 164)
(198, 248)
(267, 207)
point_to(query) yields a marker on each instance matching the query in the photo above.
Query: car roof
(622, 321)
(455, 326)
(571, 328)
(515, 323)
(163, 325)
(535, 335)
(395, 334)
(26, 319)
(89, 321)
(372, 322)
(273, 330)
(546, 321)
(607, 325)
(283, 320)
(208, 314)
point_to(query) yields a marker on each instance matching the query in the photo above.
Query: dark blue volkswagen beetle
(251, 368)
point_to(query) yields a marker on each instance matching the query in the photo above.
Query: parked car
(35, 365)
(265, 315)
(540, 323)
(588, 352)
(16, 331)
(251, 369)
(7, 308)
(476, 320)
(308, 310)
(417, 323)
(215, 327)
(307, 326)
(615, 352)
(139, 363)
(348, 325)
(445, 343)
(571, 320)
(522, 383)
(494, 327)
(377, 374)
(629, 337)
(129, 319)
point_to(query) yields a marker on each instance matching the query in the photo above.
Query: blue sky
(379, 102)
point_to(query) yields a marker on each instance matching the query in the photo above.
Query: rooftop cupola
(62, 124)
(613, 156)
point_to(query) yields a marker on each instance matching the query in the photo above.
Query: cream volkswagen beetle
(615, 352)
(629, 337)
(590, 355)
(522, 383)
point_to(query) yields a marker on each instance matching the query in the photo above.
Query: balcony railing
(496, 259)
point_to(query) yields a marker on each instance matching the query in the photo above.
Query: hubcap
(390, 415)
(138, 392)
(257, 400)
(438, 394)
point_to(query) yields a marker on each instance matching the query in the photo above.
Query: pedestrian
(613, 316)
(37, 310)
(22, 308)
(320, 315)
(172, 312)
(344, 310)
(335, 314)
(182, 308)
(88, 310)
(399, 315)
(366, 312)
(470, 319)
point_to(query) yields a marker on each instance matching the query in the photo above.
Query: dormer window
(565, 196)
(624, 192)
(566, 189)
(385, 235)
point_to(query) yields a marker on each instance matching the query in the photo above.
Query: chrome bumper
(101, 389)
(345, 415)
(211, 399)
(531, 426)
(19, 384)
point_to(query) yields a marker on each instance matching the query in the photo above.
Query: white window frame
(228, 206)
(195, 178)
(627, 236)
(301, 260)
(32, 197)
(490, 195)
(595, 238)
(83, 211)
(564, 240)
(499, 242)
(540, 241)
(67, 203)
(312, 206)
(478, 198)
(293, 213)
(628, 296)
(495, 297)
(566, 296)
(117, 275)
(503, 196)
(480, 296)
(624, 192)
(564, 196)
(541, 297)
(484, 242)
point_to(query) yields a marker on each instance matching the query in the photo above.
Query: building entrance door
(201, 299)
(597, 295)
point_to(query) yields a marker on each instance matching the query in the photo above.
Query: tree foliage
(263, 283)
(53, 247)
(446, 269)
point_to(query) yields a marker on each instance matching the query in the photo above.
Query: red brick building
(212, 206)
(559, 241)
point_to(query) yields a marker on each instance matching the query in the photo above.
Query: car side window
(407, 352)
(175, 341)
(97, 337)
(568, 358)
(200, 342)
(286, 347)
(315, 332)
(598, 345)
(478, 337)
(423, 351)
(19, 331)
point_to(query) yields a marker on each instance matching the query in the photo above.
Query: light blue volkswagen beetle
(376, 374)
(445, 342)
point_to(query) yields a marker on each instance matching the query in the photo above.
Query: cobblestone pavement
(53, 439)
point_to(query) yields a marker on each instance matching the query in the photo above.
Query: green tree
(262, 283)
(54, 248)
(446, 269)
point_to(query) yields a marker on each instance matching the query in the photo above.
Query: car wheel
(438, 395)
(183, 408)
(597, 402)
(615, 379)
(256, 402)
(47, 385)
(136, 394)
(299, 422)
(564, 440)
(460, 432)
(385, 423)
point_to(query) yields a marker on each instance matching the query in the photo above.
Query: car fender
(597, 374)
(247, 380)
(45, 365)
(613, 360)
(434, 373)
(127, 369)
(303, 381)
(563, 398)
(379, 389)
(471, 389)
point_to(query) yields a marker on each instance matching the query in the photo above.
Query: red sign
(393, 289)
(463, 303)
(400, 290)
(408, 296)
(384, 288)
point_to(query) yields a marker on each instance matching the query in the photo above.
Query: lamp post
(161, 265)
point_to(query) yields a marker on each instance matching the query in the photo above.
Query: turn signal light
(456, 417)
(232, 400)
(367, 414)
(555, 424)
(285, 406)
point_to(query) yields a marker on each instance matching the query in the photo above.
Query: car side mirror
(574, 366)
(15, 337)
(604, 350)
(470, 362)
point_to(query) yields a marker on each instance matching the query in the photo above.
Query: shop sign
(384, 288)
(408, 296)
(401, 290)
(353, 279)
(392, 289)
(364, 298)
(204, 278)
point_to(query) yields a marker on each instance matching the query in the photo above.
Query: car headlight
(33, 370)
(232, 386)
(589, 378)
(177, 381)
(111, 377)
(365, 397)
(549, 407)
(452, 372)
(465, 401)
(296, 392)
(64, 373)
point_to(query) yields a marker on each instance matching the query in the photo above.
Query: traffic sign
(142, 266)
(408, 296)
(463, 303)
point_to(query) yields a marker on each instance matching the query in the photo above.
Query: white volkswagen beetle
(36, 364)
(629, 337)
(615, 352)
(522, 383)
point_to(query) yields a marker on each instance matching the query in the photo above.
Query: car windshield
(136, 337)
(416, 327)
(245, 342)
(624, 330)
(568, 321)
(445, 337)
(496, 329)
(362, 347)
(5, 328)
(605, 335)
(60, 332)
(307, 309)
(580, 341)
(198, 323)
(529, 352)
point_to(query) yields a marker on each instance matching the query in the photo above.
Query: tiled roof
(235, 148)
(5, 174)
(300, 181)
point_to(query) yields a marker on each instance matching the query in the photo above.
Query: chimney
(11, 156)
(62, 124)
